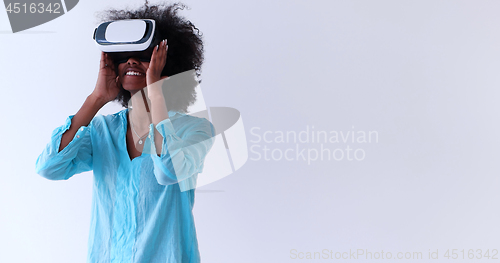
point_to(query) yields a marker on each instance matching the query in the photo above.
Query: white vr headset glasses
(125, 35)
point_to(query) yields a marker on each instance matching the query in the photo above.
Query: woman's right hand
(106, 88)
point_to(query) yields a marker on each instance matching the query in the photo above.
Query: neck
(139, 115)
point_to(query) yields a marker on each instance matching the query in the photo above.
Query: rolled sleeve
(75, 158)
(181, 157)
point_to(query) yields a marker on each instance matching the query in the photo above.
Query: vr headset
(126, 38)
(125, 35)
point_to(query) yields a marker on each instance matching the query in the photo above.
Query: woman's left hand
(157, 63)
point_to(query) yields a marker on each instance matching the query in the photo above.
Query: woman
(146, 159)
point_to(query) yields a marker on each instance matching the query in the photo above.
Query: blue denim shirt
(141, 208)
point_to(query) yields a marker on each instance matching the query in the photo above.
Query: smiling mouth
(133, 73)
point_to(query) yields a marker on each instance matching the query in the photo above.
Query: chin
(133, 88)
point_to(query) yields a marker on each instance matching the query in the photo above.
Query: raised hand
(106, 88)
(158, 60)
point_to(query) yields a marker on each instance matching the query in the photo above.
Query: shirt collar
(171, 113)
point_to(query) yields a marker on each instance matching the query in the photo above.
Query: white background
(423, 74)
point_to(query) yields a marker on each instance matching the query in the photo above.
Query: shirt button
(81, 129)
(78, 136)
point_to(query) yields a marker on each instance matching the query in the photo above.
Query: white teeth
(133, 73)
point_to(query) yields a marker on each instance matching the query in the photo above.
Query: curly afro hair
(185, 48)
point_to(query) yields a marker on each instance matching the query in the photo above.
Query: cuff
(165, 127)
(57, 134)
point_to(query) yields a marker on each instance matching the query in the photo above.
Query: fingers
(161, 50)
(159, 56)
(106, 61)
(153, 56)
(110, 63)
(103, 60)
